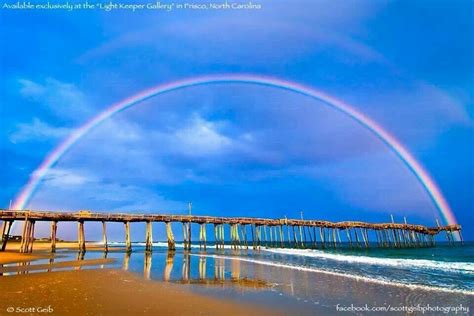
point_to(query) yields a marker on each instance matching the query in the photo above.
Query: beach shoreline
(109, 292)
(255, 286)
(104, 291)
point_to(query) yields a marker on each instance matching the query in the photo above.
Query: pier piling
(104, 237)
(128, 242)
(81, 237)
(149, 237)
(202, 236)
(170, 237)
(54, 228)
(7, 225)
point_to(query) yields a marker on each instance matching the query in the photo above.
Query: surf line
(396, 146)
(459, 267)
(350, 276)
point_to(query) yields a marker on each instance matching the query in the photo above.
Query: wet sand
(40, 245)
(58, 265)
(13, 256)
(110, 292)
(245, 286)
(98, 291)
(41, 251)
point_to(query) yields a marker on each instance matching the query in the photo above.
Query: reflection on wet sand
(126, 261)
(202, 268)
(186, 271)
(104, 257)
(168, 266)
(80, 257)
(147, 266)
(315, 288)
(23, 267)
(51, 261)
(235, 271)
(218, 278)
(219, 269)
(52, 264)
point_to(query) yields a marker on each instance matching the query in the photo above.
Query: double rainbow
(423, 176)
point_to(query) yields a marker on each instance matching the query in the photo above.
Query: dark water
(308, 281)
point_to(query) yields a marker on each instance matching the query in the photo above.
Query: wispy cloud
(80, 189)
(64, 103)
(61, 178)
(64, 100)
(415, 111)
(37, 131)
(31, 89)
(261, 39)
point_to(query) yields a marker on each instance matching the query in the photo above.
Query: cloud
(64, 100)
(75, 189)
(256, 135)
(261, 39)
(436, 103)
(60, 178)
(377, 183)
(156, 154)
(31, 89)
(37, 131)
(200, 138)
(414, 110)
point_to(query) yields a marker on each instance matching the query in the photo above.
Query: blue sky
(239, 149)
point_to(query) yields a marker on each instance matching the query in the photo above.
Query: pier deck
(264, 231)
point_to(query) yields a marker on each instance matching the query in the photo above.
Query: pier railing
(265, 232)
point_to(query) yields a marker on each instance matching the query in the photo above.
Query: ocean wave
(457, 267)
(339, 274)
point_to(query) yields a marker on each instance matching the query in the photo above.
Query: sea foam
(382, 281)
(457, 267)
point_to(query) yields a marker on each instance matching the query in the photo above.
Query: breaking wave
(382, 281)
(457, 267)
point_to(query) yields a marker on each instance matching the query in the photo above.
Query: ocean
(309, 281)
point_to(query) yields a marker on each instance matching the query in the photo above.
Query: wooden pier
(244, 232)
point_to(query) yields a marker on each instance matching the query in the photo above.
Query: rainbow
(416, 168)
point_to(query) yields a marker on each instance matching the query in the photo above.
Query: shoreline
(111, 291)
(42, 247)
(55, 265)
(104, 291)
(229, 278)
(348, 276)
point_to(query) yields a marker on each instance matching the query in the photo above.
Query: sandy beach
(96, 292)
(109, 292)
(69, 245)
(208, 283)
